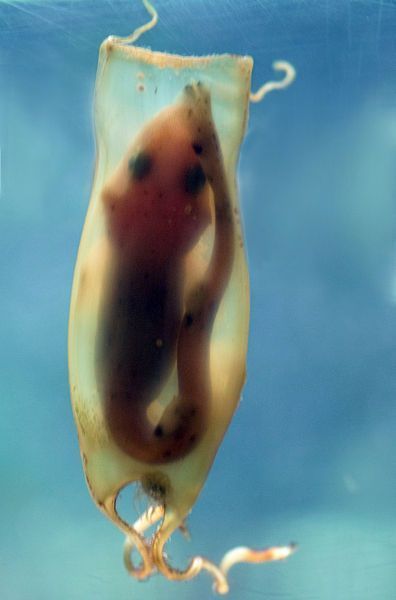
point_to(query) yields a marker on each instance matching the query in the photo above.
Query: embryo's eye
(140, 165)
(194, 179)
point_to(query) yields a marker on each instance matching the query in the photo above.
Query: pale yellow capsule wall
(133, 84)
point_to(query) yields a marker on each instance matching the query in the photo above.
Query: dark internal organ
(157, 206)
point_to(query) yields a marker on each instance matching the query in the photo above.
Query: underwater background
(310, 455)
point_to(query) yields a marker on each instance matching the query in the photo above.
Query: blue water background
(311, 453)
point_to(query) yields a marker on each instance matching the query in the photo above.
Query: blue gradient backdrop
(311, 453)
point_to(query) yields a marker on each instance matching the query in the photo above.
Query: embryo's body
(157, 205)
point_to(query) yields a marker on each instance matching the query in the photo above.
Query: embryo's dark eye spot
(194, 179)
(140, 165)
(197, 148)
